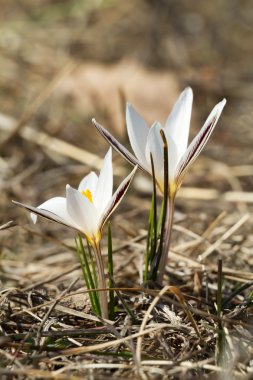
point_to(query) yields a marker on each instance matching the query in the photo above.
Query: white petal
(117, 197)
(173, 158)
(56, 206)
(53, 209)
(199, 141)
(178, 123)
(34, 217)
(82, 211)
(88, 182)
(103, 191)
(155, 147)
(137, 132)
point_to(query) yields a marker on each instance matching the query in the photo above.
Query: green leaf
(94, 298)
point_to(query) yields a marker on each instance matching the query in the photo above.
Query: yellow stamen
(87, 193)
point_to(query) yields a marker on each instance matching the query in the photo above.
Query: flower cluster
(87, 208)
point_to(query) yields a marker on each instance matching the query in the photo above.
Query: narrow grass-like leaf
(110, 274)
(85, 276)
(235, 293)
(169, 204)
(152, 228)
(154, 219)
(93, 267)
(149, 239)
(159, 222)
(250, 299)
(157, 258)
(97, 309)
(86, 263)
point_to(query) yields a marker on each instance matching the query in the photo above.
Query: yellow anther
(87, 193)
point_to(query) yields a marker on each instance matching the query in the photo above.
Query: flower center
(87, 193)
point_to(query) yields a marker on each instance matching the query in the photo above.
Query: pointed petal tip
(129, 109)
(95, 123)
(134, 169)
(219, 106)
(224, 101)
(34, 218)
(109, 152)
(187, 92)
(188, 89)
(132, 174)
(108, 157)
(157, 124)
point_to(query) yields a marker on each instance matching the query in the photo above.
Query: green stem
(94, 272)
(147, 253)
(152, 227)
(101, 279)
(167, 218)
(166, 238)
(160, 219)
(154, 219)
(110, 273)
(87, 276)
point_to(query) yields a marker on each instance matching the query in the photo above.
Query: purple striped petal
(119, 147)
(46, 214)
(199, 142)
(117, 197)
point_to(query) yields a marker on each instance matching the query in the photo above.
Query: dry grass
(47, 328)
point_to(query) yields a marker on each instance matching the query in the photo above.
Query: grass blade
(85, 276)
(152, 228)
(97, 309)
(156, 260)
(94, 272)
(226, 302)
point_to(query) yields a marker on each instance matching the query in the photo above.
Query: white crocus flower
(145, 141)
(86, 210)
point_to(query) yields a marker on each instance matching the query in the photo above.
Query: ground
(62, 63)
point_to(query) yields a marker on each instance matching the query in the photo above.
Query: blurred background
(63, 62)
